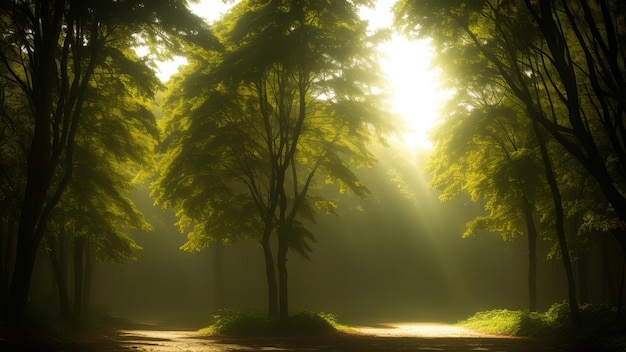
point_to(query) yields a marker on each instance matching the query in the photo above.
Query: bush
(233, 323)
(495, 322)
(596, 320)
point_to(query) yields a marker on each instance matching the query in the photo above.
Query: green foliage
(597, 321)
(506, 322)
(287, 105)
(307, 323)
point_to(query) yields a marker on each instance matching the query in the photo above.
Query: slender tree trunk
(583, 277)
(560, 226)
(270, 272)
(283, 295)
(4, 252)
(79, 248)
(531, 230)
(620, 297)
(7, 255)
(609, 288)
(218, 274)
(88, 277)
(60, 275)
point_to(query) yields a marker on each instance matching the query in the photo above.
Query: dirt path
(386, 337)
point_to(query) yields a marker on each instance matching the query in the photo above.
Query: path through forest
(385, 337)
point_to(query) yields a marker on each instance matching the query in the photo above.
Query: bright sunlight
(415, 91)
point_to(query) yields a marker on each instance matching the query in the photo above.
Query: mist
(396, 256)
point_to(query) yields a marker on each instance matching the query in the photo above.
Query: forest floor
(385, 337)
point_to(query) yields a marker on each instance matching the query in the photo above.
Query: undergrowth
(235, 323)
(596, 320)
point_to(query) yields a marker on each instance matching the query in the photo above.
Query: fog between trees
(259, 139)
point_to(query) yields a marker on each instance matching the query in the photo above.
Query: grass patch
(596, 320)
(233, 323)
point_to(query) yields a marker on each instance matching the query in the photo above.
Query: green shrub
(596, 320)
(235, 323)
(495, 322)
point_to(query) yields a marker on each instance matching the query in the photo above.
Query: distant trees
(253, 129)
(61, 63)
(560, 65)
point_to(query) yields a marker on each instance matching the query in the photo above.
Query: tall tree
(562, 71)
(50, 51)
(289, 98)
(113, 144)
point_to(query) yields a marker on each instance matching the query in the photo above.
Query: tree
(50, 51)
(113, 145)
(289, 98)
(562, 72)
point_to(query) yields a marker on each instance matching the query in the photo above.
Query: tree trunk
(583, 277)
(20, 283)
(283, 295)
(8, 257)
(39, 168)
(560, 226)
(270, 272)
(609, 276)
(531, 230)
(88, 277)
(60, 275)
(620, 297)
(218, 274)
(79, 247)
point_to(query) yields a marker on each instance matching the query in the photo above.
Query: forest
(266, 177)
